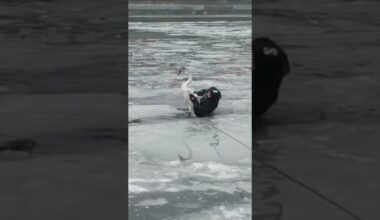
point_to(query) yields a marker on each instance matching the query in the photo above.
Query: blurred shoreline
(195, 11)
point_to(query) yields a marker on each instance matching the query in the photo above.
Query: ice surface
(216, 182)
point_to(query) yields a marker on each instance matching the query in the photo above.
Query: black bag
(269, 65)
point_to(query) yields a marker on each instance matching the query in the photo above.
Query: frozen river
(216, 182)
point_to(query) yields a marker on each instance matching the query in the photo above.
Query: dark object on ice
(183, 159)
(19, 145)
(181, 70)
(182, 109)
(138, 121)
(269, 65)
(207, 103)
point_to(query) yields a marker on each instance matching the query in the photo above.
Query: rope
(293, 179)
(232, 137)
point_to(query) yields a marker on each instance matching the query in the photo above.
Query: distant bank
(188, 12)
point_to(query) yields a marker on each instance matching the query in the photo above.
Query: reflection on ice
(168, 138)
(152, 202)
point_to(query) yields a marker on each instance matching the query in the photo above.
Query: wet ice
(216, 182)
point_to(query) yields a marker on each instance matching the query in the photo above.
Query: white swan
(185, 87)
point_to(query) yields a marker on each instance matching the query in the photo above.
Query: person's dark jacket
(270, 64)
(206, 105)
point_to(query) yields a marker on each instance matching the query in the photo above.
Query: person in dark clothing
(206, 102)
(269, 65)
